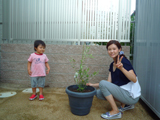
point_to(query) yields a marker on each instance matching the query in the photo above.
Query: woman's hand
(129, 74)
(88, 84)
(93, 85)
(119, 64)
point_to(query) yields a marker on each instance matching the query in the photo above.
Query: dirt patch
(55, 106)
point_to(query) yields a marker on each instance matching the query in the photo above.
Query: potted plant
(80, 95)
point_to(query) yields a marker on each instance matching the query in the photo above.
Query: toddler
(37, 64)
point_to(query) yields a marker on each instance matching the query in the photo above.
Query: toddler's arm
(29, 68)
(48, 68)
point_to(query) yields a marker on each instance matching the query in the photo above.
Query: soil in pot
(75, 89)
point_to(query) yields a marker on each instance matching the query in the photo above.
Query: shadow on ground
(55, 106)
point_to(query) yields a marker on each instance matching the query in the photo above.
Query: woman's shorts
(38, 81)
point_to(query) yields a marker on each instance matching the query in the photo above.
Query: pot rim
(79, 94)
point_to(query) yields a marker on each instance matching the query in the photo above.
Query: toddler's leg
(41, 97)
(34, 95)
(34, 90)
(40, 91)
(41, 83)
(33, 85)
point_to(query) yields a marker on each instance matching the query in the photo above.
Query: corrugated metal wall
(67, 20)
(146, 59)
(0, 20)
(0, 29)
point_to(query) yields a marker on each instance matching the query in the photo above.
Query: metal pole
(119, 20)
(79, 20)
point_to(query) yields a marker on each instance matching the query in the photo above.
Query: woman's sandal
(108, 116)
(126, 107)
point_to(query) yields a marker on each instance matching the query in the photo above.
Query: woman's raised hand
(119, 64)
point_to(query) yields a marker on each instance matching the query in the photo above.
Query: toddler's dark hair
(39, 42)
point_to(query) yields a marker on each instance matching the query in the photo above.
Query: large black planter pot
(80, 103)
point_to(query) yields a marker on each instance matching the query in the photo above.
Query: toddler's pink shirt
(38, 64)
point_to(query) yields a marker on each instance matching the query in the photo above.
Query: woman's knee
(99, 95)
(102, 83)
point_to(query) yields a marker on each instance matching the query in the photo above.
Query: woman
(122, 84)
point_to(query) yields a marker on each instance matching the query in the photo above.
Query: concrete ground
(55, 106)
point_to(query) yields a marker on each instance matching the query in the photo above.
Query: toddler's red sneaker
(41, 97)
(33, 97)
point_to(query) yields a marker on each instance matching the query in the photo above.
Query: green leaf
(83, 76)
